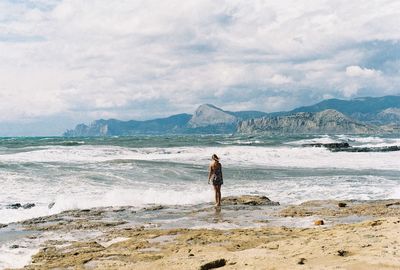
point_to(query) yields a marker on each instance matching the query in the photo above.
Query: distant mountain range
(357, 116)
(207, 119)
(372, 110)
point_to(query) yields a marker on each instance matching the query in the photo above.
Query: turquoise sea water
(73, 173)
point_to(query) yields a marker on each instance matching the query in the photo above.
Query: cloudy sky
(68, 61)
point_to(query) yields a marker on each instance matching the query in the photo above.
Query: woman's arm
(210, 172)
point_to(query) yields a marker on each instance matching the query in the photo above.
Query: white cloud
(350, 89)
(357, 71)
(146, 58)
(280, 79)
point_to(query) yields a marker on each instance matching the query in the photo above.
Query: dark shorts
(217, 182)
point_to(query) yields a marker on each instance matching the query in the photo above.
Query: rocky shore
(346, 147)
(356, 235)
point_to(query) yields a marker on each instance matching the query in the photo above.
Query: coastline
(361, 235)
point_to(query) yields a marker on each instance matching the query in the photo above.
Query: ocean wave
(354, 141)
(284, 156)
(323, 140)
(240, 142)
(363, 139)
(79, 193)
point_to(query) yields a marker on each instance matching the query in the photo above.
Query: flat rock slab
(248, 200)
(382, 208)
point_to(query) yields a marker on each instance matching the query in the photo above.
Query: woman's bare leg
(218, 197)
(216, 194)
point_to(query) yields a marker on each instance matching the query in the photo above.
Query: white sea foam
(28, 246)
(240, 142)
(18, 257)
(322, 139)
(84, 195)
(284, 156)
(352, 140)
(370, 141)
(137, 197)
(395, 192)
(285, 190)
(364, 139)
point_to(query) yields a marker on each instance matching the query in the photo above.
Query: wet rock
(301, 261)
(153, 208)
(84, 213)
(248, 200)
(56, 242)
(376, 208)
(28, 205)
(393, 204)
(18, 205)
(328, 145)
(342, 204)
(14, 206)
(16, 246)
(272, 246)
(213, 264)
(40, 220)
(263, 221)
(77, 224)
(68, 257)
(319, 222)
(118, 210)
(375, 223)
(368, 149)
(367, 245)
(345, 147)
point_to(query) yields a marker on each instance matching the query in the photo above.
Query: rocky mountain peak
(208, 114)
(330, 115)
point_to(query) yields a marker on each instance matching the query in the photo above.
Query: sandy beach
(344, 242)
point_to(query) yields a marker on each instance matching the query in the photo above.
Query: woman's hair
(215, 157)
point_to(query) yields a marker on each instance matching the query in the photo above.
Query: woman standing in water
(215, 176)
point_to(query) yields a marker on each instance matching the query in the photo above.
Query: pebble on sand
(301, 261)
(342, 253)
(319, 222)
(214, 264)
